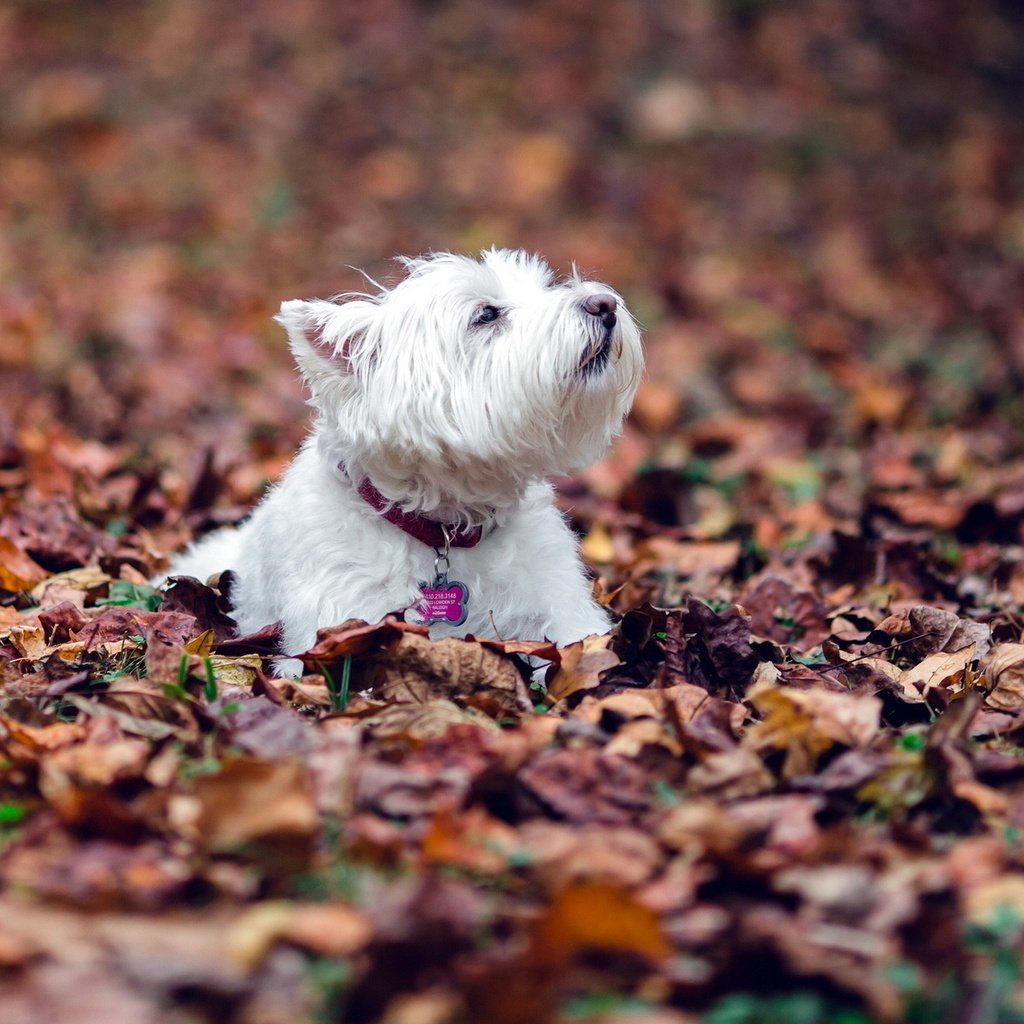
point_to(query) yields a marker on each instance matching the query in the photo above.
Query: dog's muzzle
(601, 306)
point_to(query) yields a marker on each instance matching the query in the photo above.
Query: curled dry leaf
(208, 607)
(939, 671)
(806, 723)
(922, 630)
(355, 637)
(29, 640)
(1004, 672)
(580, 666)
(709, 649)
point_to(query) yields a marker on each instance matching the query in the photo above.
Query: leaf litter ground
(803, 782)
(788, 786)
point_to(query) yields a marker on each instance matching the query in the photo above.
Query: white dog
(442, 405)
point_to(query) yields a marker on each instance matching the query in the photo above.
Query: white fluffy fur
(457, 419)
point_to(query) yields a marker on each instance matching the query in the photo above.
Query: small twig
(891, 647)
(821, 669)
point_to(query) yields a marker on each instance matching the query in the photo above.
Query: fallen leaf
(580, 666)
(419, 722)
(472, 839)
(1004, 672)
(597, 916)
(940, 671)
(730, 774)
(17, 570)
(419, 670)
(565, 854)
(356, 637)
(708, 649)
(806, 723)
(89, 579)
(582, 785)
(251, 801)
(325, 929)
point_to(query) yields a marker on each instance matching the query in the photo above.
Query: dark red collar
(427, 531)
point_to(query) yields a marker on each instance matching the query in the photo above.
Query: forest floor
(787, 787)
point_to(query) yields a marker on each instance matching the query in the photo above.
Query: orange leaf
(594, 915)
(17, 570)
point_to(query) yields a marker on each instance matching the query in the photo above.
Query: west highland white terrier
(442, 405)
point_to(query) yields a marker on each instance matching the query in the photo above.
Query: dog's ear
(324, 335)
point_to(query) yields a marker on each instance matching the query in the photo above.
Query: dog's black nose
(602, 305)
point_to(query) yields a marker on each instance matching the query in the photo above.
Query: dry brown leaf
(326, 929)
(12, 617)
(700, 825)
(730, 774)
(564, 854)
(89, 579)
(544, 649)
(104, 754)
(686, 702)
(632, 737)
(581, 666)
(624, 706)
(422, 721)
(419, 670)
(29, 641)
(806, 723)
(30, 741)
(940, 670)
(1004, 671)
(251, 801)
(356, 637)
(153, 728)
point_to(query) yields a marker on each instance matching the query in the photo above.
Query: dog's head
(468, 378)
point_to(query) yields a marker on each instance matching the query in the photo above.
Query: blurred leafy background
(815, 207)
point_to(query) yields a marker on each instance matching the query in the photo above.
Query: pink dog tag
(444, 601)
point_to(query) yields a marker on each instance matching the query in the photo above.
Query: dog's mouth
(597, 354)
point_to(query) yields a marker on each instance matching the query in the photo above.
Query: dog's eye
(487, 315)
